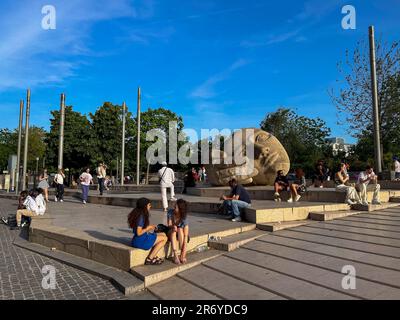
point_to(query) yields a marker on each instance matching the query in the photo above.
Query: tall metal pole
(117, 170)
(374, 87)
(25, 166)
(138, 140)
(123, 143)
(21, 116)
(61, 141)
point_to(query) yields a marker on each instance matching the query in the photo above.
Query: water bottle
(202, 248)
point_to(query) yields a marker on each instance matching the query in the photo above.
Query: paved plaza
(306, 262)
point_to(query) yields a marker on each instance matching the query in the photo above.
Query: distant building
(339, 145)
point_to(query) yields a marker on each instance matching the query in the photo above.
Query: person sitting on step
(341, 179)
(144, 236)
(178, 230)
(238, 200)
(365, 178)
(281, 184)
(31, 209)
(297, 186)
(21, 199)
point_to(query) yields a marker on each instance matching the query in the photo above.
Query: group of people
(30, 204)
(147, 236)
(355, 193)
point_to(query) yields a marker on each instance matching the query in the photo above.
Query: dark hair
(183, 209)
(23, 194)
(368, 167)
(299, 172)
(279, 172)
(140, 210)
(232, 181)
(33, 193)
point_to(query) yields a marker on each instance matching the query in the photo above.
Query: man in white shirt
(59, 180)
(167, 178)
(31, 210)
(364, 179)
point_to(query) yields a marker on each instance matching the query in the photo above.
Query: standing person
(179, 230)
(101, 175)
(200, 174)
(86, 180)
(44, 184)
(396, 165)
(144, 236)
(281, 184)
(341, 178)
(59, 181)
(40, 201)
(298, 186)
(364, 179)
(238, 199)
(167, 178)
(203, 168)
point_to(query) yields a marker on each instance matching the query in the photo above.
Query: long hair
(140, 210)
(182, 211)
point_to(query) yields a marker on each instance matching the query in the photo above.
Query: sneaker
(376, 202)
(238, 219)
(297, 198)
(55, 199)
(84, 202)
(4, 220)
(24, 224)
(290, 200)
(321, 186)
(350, 202)
(364, 203)
(277, 197)
(173, 199)
(61, 200)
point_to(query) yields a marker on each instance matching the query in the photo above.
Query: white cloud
(207, 89)
(31, 56)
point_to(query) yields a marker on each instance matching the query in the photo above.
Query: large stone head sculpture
(257, 167)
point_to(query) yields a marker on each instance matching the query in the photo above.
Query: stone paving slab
(285, 286)
(328, 279)
(225, 286)
(368, 225)
(328, 249)
(178, 289)
(373, 220)
(367, 272)
(327, 231)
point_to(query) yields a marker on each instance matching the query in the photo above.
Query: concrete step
(234, 242)
(394, 199)
(331, 215)
(276, 226)
(151, 275)
(374, 207)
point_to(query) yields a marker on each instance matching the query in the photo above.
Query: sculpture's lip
(272, 157)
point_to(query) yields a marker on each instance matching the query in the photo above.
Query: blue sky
(219, 64)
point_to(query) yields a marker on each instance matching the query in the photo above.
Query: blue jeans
(234, 207)
(85, 192)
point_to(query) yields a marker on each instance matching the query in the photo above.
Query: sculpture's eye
(262, 138)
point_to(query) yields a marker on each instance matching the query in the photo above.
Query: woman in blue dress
(144, 236)
(178, 230)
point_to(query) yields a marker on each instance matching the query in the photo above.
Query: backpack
(12, 220)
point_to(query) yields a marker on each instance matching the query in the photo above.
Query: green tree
(302, 137)
(79, 140)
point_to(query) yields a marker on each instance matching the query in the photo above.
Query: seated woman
(143, 233)
(179, 230)
(281, 184)
(31, 208)
(341, 179)
(321, 175)
(298, 186)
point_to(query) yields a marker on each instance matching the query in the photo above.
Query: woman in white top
(86, 180)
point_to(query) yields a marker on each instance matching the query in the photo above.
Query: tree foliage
(302, 137)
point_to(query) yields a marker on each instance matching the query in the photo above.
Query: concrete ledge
(275, 226)
(395, 199)
(234, 242)
(124, 281)
(157, 273)
(373, 207)
(331, 215)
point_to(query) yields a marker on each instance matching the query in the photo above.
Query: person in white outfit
(167, 178)
(341, 178)
(364, 179)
